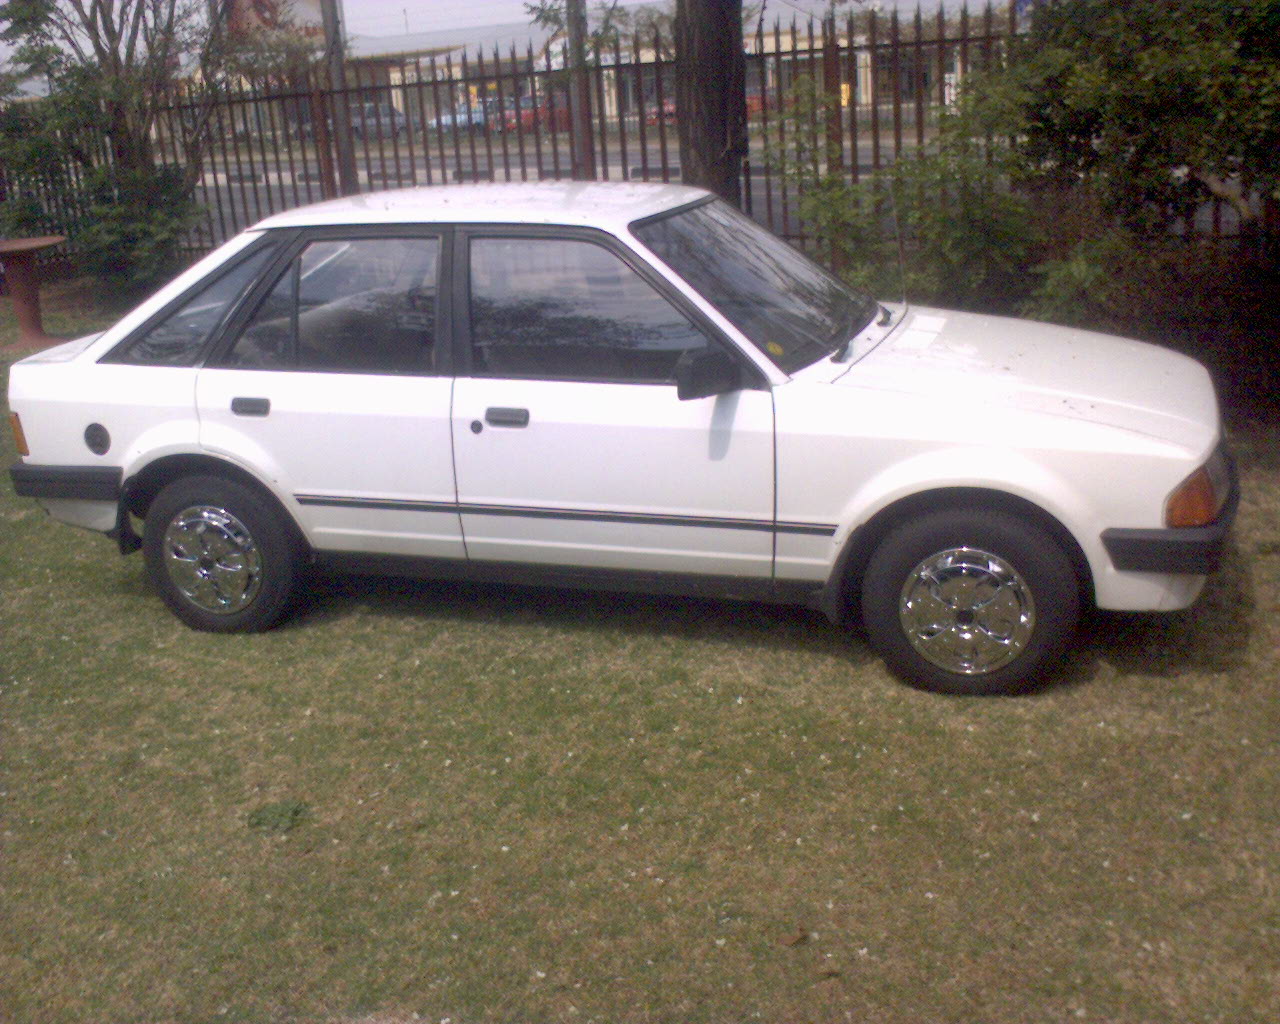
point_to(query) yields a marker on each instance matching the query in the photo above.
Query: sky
(388, 17)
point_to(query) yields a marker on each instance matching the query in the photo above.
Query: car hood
(976, 361)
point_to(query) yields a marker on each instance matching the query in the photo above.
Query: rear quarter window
(180, 334)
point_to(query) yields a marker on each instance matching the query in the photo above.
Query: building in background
(297, 15)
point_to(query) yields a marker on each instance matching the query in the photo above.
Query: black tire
(220, 556)
(990, 624)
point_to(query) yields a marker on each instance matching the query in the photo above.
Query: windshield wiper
(845, 349)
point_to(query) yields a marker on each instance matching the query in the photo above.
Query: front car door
(571, 446)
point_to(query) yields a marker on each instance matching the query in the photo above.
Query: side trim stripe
(576, 515)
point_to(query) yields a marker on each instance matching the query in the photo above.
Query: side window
(178, 338)
(565, 309)
(266, 343)
(350, 306)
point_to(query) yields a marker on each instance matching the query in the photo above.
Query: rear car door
(334, 383)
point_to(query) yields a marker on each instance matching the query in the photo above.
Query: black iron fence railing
(881, 83)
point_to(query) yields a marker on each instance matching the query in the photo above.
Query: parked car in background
(366, 120)
(377, 120)
(550, 112)
(661, 114)
(625, 385)
(465, 117)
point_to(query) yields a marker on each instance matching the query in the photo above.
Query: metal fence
(506, 116)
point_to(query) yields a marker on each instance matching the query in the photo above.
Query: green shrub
(23, 214)
(945, 226)
(41, 197)
(134, 226)
(1080, 287)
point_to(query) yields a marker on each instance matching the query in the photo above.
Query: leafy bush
(945, 226)
(40, 199)
(1159, 105)
(134, 225)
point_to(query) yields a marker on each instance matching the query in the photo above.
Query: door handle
(251, 406)
(499, 417)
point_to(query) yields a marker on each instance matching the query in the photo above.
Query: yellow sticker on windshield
(775, 349)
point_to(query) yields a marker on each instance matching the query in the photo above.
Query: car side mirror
(701, 373)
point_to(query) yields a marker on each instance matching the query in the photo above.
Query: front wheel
(219, 555)
(970, 602)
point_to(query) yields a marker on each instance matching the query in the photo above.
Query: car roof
(607, 205)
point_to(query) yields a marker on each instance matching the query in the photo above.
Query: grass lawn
(523, 805)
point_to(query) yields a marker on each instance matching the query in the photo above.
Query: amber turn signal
(1194, 502)
(19, 438)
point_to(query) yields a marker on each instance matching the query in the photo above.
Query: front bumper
(1191, 550)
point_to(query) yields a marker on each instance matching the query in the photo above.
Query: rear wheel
(970, 602)
(219, 555)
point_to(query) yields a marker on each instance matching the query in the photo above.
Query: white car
(626, 386)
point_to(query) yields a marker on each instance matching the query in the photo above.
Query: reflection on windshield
(788, 306)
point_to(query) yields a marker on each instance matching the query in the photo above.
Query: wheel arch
(841, 593)
(141, 489)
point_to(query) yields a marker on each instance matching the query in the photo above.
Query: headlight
(1200, 497)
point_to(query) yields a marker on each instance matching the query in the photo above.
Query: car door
(571, 446)
(333, 385)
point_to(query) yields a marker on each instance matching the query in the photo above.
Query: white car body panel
(1041, 368)
(149, 413)
(360, 459)
(619, 450)
(936, 404)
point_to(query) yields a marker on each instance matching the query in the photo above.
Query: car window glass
(789, 307)
(570, 310)
(178, 338)
(353, 305)
(267, 341)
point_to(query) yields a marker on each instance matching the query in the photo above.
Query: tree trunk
(584, 154)
(131, 149)
(711, 95)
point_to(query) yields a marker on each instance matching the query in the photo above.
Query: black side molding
(85, 483)
(738, 588)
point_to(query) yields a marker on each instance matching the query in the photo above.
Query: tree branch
(1228, 191)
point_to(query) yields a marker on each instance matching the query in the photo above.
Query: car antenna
(897, 232)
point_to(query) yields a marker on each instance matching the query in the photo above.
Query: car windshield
(787, 306)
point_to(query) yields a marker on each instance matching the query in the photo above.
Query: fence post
(832, 99)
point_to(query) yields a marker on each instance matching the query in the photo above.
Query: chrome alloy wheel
(967, 611)
(212, 559)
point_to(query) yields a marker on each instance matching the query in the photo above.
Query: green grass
(506, 805)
